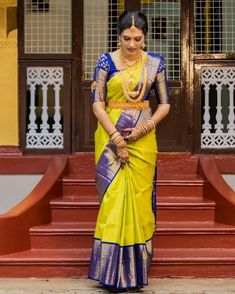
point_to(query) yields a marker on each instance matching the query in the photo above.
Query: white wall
(230, 180)
(14, 188)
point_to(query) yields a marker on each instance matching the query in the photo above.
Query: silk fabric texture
(122, 249)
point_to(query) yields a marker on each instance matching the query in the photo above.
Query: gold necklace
(134, 96)
(125, 60)
(131, 68)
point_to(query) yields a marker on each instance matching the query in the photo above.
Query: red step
(194, 235)
(203, 262)
(74, 209)
(79, 187)
(62, 235)
(46, 263)
(165, 187)
(184, 209)
(200, 263)
(168, 235)
(188, 187)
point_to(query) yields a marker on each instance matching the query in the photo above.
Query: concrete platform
(84, 286)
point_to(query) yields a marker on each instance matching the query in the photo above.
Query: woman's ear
(119, 43)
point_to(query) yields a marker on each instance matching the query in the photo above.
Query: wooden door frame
(186, 109)
(77, 74)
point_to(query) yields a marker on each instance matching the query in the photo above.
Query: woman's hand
(134, 135)
(123, 154)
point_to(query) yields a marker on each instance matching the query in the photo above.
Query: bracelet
(142, 129)
(147, 126)
(114, 136)
(122, 145)
(118, 140)
(112, 133)
(151, 122)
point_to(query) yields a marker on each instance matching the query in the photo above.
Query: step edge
(168, 205)
(85, 261)
(171, 182)
(159, 231)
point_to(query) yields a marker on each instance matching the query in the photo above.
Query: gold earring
(119, 45)
(143, 46)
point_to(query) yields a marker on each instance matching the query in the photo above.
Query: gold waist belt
(129, 105)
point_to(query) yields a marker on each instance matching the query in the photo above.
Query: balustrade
(218, 125)
(44, 129)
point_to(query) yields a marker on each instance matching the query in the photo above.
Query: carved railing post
(41, 134)
(222, 134)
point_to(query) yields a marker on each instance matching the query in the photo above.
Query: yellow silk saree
(122, 249)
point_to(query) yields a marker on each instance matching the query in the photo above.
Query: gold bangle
(149, 126)
(116, 139)
(142, 129)
(119, 139)
(112, 133)
(123, 145)
(151, 122)
(115, 136)
(145, 128)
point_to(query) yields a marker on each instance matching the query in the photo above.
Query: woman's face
(131, 41)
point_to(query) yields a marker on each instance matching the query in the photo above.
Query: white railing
(218, 125)
(40, 133)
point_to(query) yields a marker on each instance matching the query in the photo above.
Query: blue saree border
(120, 267)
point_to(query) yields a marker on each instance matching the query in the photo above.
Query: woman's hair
(125, 21)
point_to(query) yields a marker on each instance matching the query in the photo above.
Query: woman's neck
(130, 58)
(130, 61)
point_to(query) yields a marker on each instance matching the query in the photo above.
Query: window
(164, 33)
(48, 26)
(100, 31)
(214, 26)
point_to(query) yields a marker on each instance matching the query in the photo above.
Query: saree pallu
(122, 249)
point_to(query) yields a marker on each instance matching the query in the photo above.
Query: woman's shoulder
(157, 56)
(158, 60)
(103, 61)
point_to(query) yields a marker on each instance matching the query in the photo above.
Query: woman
(125, 154)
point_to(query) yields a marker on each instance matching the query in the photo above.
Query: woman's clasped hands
(134, 134)
(122, 151)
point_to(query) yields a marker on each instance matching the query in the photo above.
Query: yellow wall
(8, 74)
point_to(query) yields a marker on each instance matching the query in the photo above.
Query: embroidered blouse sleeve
(98, 87)
(161, 85)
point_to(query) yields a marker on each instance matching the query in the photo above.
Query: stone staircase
(187, 243)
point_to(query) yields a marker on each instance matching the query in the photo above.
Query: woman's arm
(162, 93)
(108, 126)
(103, 118)
(160, 113)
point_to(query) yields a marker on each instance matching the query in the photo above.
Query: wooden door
(175, 132)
